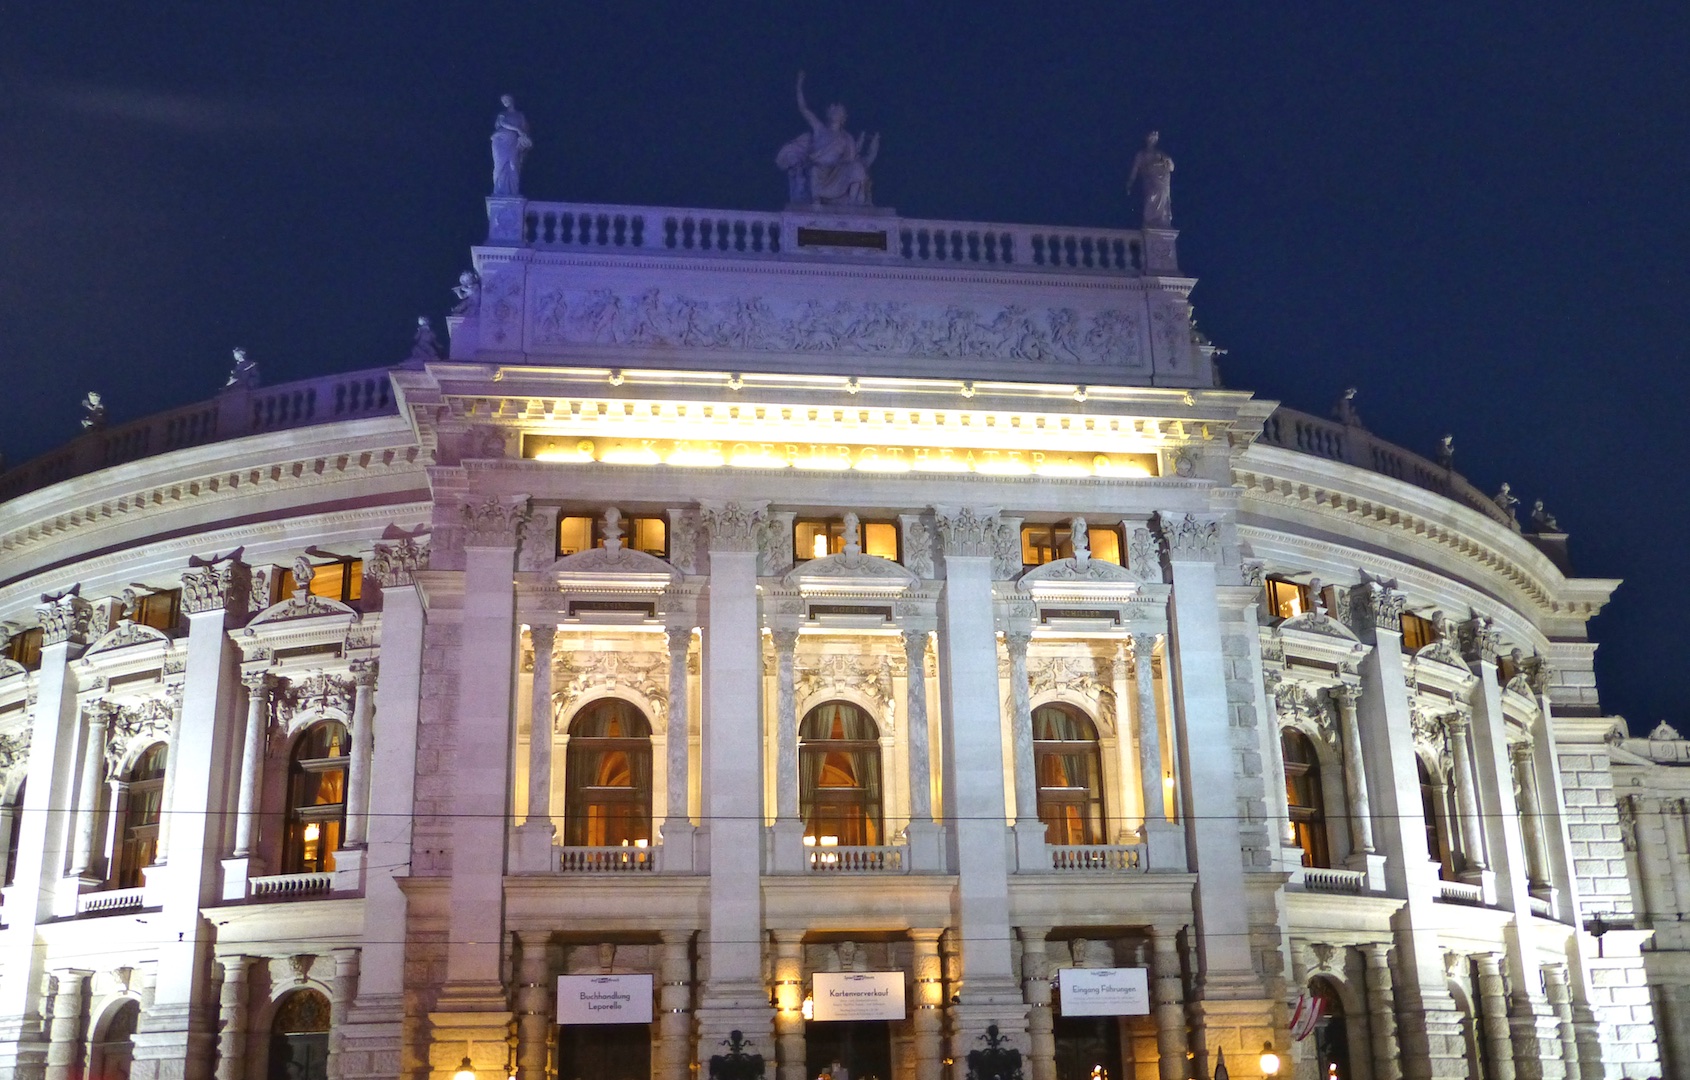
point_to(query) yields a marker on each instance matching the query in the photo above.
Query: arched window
(299, 1038)
(1069, 771)
(316, 799)
(1304, 797)
(1331, 1035)
(14, 835)
(607, 779)
(138, 841)
(1431, 804)
(839, 775)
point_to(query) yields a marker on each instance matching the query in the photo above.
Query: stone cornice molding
(852, 573)
(966, 531)
(1075, 572)
(296, 608)
(125, 634)
(733, 525)
(493, 522)
(1188, 537)
(621, 569)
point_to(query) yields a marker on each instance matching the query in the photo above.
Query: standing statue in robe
(1154, 169)
(828, 167)
(510, 145)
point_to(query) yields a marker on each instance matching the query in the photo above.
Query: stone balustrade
(238, 410)
(886, 859)
(607, 860)
(1461, 892)
(1071, 858)
(1343, 882)
(760, 234)
(288, 886)
(109, 901)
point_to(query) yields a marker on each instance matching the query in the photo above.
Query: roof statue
(1505, 500)
(1344, 409)
(425, 346)
(511, 144)
(1153, 169)
(828, 166)
(93, 411)
(1446, 451)
(1542, 520)
(245, 371)
(468, 292)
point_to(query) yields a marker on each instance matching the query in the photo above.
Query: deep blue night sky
(1475, 213)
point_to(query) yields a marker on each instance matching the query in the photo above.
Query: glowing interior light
(1104, 465)
(761, 459)
(830, 841)
(818, 549)
(632, 455)
(808, 1009)
(825, 462)
(1005, 467)
(883, 465)
(809, 841)
(937, 463)
(1053, 468)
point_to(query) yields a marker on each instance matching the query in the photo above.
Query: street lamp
(1269, 1061)
(466, 1071)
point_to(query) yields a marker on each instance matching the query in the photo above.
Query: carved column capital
(1189, 538)
(65, 618)
(785, 641)
(1481, 642)
(733, 526)
(494, 522)
(1457, 721)
(1344, 696)
(967, 531)
(396, 564)
(258, 683)
(364, 672)
(224, 584)
(1376, 603)
(1016, 641)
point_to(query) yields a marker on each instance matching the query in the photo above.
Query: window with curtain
(299, 1038)
(138, 840)
(1069, 770)
(607, 777)
(839, 776)
(1305, 798)
(316, 799)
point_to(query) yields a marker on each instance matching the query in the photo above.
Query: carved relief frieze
(1431, 734)
(126, 633)
(395, 564)
(135, 726)
(296, 700)
(14, 749)
(494, 521)
(218, 584)
(683, 541)
(733, 526)
(1375, 602)
(1308, 708)
(1144, 555)
(1006, 551)
(1090, 676)
(832, 673)
(774, 545)
(655, 319)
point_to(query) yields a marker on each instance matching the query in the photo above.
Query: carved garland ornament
(967, 532)
(653, 319)
(1301, 707)
(831, 673)
(1090, 676)
(578, 673)
(138, 725)
(734, 526)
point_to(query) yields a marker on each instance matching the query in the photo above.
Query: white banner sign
(858, 995)
(604, 999)
(1104, 991)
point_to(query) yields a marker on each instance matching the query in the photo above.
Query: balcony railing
(888, 859)
(1079, 858)
(288, 886)
(109, 901)
(1345, 882)
(1460, 892)
(607, 860)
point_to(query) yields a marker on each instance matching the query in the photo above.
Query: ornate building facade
(750, 598)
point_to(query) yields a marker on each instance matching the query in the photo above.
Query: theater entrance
(604, 1052)
(1085, 1042)
(862, 1047)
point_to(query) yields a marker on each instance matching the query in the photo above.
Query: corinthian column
(88, 791)
(543, 636)
(252, 759)
(167, 799)
(1531, 815)
(1149, 730)
(1466, 798)
(1021, 701)
(786, 725)
(677, 824)
(915, 723)
(1355, 774)
(363, 748)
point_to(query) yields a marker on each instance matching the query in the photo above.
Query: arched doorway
(299, 1038)
(607, 777)
(113, 1049)
(1331, 1035)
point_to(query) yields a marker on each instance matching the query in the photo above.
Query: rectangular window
(1106, 544)
(815, 538)
(1417, 633)
(1286, 598)
(648, 534)
(25, 648)
(342, 580)
(159, 610)
(1041, 544)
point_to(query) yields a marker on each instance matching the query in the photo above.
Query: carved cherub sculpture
(468, 292)
(93, 411)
